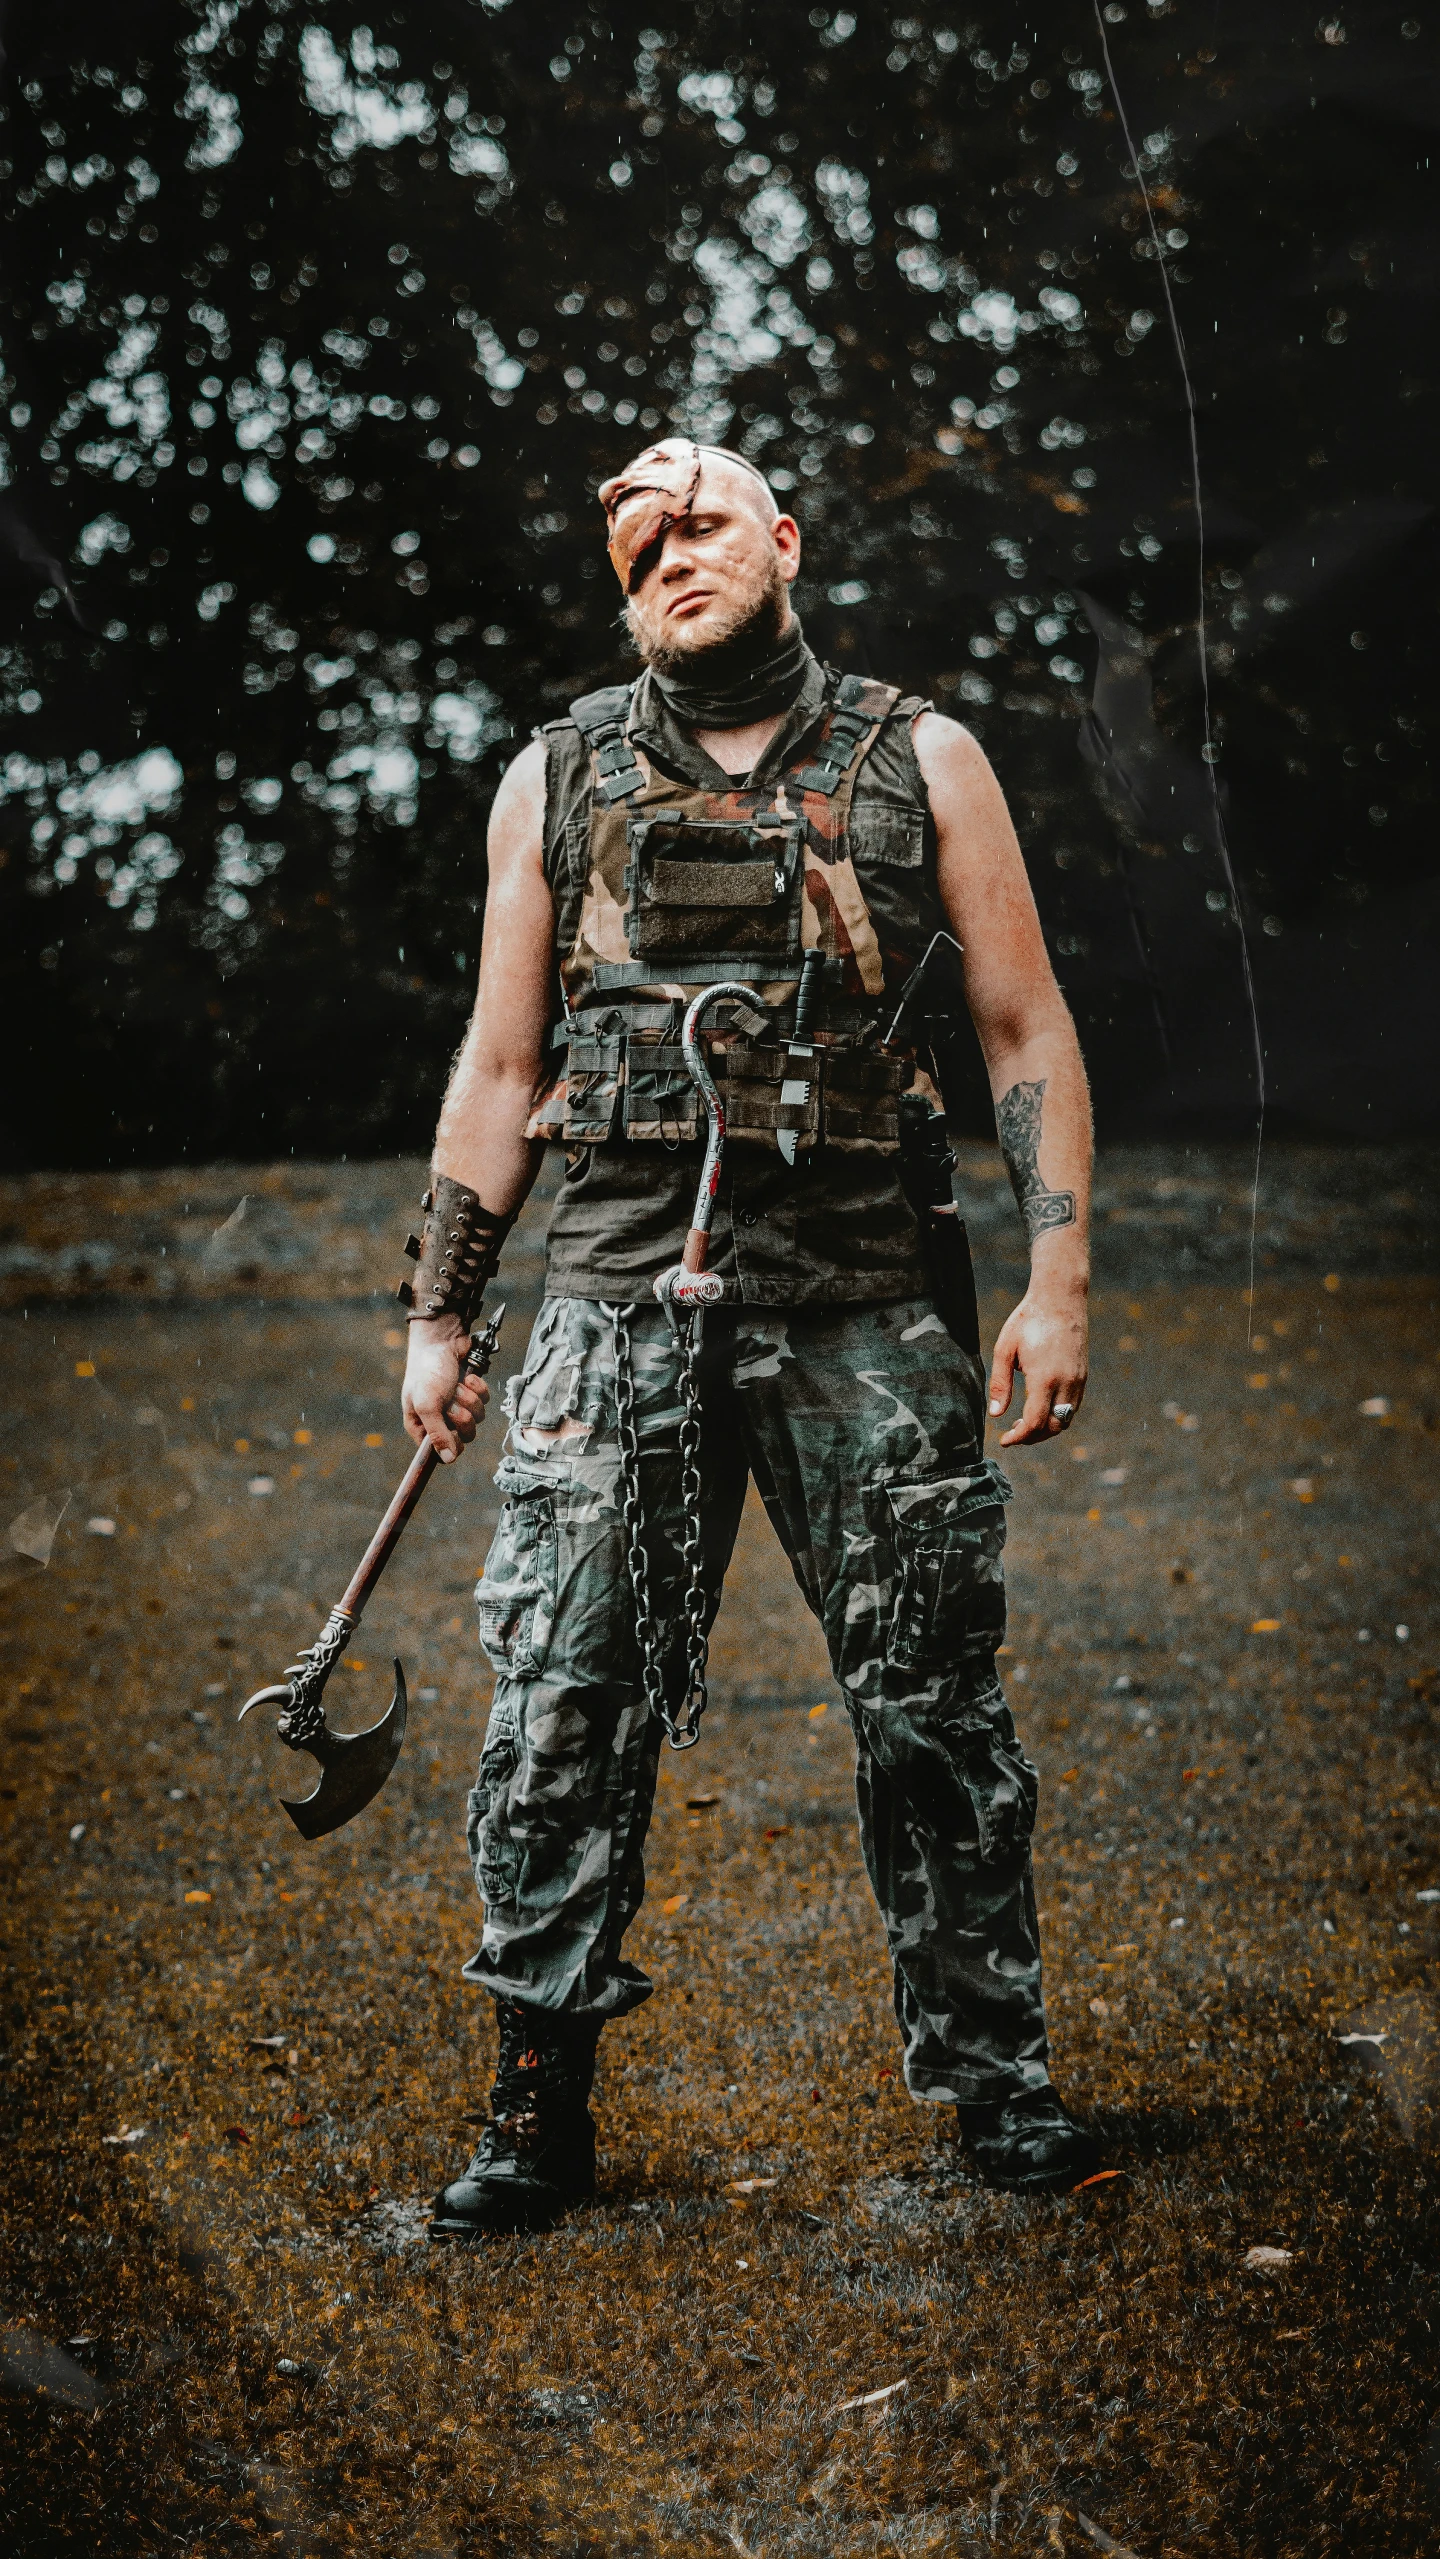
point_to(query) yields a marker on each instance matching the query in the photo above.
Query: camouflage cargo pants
(862, 1429)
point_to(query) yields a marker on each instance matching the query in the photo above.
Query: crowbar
(687, 1283)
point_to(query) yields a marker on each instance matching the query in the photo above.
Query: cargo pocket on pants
(993, 1776)
(493, 1854)
(515, 1596)
(949, 1542)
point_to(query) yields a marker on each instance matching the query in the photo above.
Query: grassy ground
(238, 2067)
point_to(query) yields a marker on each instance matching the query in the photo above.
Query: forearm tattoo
(1017, 1117)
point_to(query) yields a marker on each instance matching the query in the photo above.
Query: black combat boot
(537, 2153)
(1027, 2144)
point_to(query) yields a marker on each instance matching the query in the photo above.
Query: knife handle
(812, 969)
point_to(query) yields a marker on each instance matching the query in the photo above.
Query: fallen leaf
(779, 1830)
(1265, 2258)
(1265, 1626)
(1101, 2177)
(1066, 1774)
(1377, 1406)
(1099, 2007)
(676, 1902)
(199, 1896)
(869, 2398)
(1104, 2540)
(127, 2133)
(752, 2185)
(30, 2366)
(817, 1711)
(34, 1532)
(825, 2479)
(265, 2044)
(700, 1803)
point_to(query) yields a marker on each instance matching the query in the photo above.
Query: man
(743, 815)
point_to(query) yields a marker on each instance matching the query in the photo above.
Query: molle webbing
(849, 723)
(620, 1082)
(601, 718)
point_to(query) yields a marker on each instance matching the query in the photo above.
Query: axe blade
(353, 1768)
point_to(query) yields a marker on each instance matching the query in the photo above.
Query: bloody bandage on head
(642, 502)
(651, 495)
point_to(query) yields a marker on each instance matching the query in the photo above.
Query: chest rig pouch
(684, 885)
(698, 883)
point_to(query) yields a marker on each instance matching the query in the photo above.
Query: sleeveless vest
(664, 886)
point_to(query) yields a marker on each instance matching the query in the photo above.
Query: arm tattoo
(1017, 1117)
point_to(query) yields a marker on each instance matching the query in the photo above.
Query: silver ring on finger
(1064, 1414)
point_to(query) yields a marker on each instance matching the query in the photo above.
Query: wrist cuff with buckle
(455, 1253)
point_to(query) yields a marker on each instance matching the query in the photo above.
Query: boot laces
(544, 2070)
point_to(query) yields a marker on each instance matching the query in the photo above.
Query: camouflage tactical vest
(665, 885)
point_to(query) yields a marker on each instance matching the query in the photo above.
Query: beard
(739, 639)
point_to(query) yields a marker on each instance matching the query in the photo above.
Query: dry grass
(277, 2356)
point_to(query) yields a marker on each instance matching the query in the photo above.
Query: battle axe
(354, 1766)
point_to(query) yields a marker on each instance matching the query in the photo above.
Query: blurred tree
(320, 332)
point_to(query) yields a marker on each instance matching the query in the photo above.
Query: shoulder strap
(860, 709)
(601, 719)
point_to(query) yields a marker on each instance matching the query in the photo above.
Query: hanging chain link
(697, 1642)
(633, 1514)
(683, 1733)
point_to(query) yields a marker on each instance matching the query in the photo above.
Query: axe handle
(412, 1484)
(391, 1529)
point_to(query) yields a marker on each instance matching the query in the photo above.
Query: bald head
(742, 483)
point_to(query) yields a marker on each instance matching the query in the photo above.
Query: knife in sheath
(800, 1052)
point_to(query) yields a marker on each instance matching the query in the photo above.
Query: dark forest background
(322, 324)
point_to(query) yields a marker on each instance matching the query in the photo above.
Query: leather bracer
(455, 1253)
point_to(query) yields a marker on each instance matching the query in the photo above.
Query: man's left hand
(1046, 1338)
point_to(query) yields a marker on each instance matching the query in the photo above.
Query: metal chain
(633, 1514)
(680, 1736)
(697, 1642)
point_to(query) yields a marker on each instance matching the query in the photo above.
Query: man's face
(716, 570)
